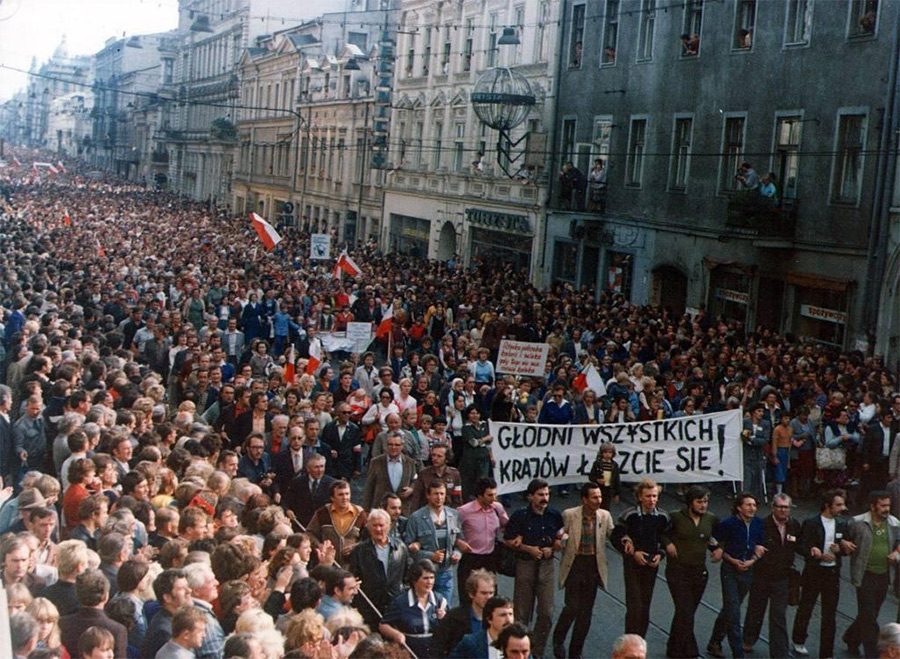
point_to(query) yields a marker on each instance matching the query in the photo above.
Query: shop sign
(820, 313)
(733, 296)
(497, 220)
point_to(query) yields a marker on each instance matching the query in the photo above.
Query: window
(565, 260)
(681, 154)
(863, 18)
(339, 175)
(331, 158)
(576, 37)
(786, 163)
(798, 22)
(635, 163)
(601, 137)
(610, 33)
(359, 39)
(568, 140)
(692, 25)
(410, 62)
(420, 133)
(848, 159)
(732, 152)
(458, 156)
(438, 144)
(519, 23)
(445, 58)
(492, 43)
(645, 34)
(168, 70)
(744, 23)
(542, 33)
(469, 44)
(323, 148)
(426, 60)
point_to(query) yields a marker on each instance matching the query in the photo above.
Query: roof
(303, 39)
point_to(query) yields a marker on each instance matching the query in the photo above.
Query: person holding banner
(533, 532)
(582, 569)
(476, 461)
(639, 534)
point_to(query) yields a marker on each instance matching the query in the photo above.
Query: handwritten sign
(359, 331)
(523, 358)
(691, 449)
(320, 246)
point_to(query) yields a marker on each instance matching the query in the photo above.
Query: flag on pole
(384, 327)
(61, 167)
(589, 378)
(52, 169)
(346, 264)
(66, 219)
(290, 372)
(16, 162)
(266, 232)
(315, 356)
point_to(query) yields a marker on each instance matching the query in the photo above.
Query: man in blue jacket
(497, 615)
(742, 537)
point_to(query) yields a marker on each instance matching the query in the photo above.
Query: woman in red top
(82, 484)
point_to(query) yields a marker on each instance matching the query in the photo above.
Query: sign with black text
(691, 449)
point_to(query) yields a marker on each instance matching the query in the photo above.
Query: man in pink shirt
(481, 519)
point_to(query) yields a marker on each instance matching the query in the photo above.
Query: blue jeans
(735, 586)
(443, 584)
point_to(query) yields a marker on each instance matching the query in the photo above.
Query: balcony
(756, 217)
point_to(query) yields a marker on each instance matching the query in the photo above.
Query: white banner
(523, 358)
(692, 449)
(320, 246)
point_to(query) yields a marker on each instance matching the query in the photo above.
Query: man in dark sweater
(638, 535)
(689, 537)
(92, 591)
(172, 592)
(772, 577)
(72, 560)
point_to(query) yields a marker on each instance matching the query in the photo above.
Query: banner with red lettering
(692, 449)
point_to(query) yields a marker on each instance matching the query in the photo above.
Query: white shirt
(829, 525)
(297, 459)
(493, 653)
(886, 445)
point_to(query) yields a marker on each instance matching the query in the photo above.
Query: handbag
(793, 587)
(504, 559)
(831, 459)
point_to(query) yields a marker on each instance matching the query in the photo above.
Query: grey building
(673, 97)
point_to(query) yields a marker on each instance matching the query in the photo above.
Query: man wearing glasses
(772, 578)
(255, 464)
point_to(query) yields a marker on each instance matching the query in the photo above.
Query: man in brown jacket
(391, 472)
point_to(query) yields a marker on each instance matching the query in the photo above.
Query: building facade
(304, 133)
(70, 123)
(679, 98)
(449, 190)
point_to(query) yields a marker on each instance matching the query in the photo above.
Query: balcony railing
(759, 217)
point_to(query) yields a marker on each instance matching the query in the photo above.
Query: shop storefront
(409, 235)
(730, 287)
(500, 236)
(820, 308)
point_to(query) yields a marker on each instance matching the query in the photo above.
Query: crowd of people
(189, 473)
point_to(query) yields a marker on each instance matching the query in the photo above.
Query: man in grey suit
(233, 342)
(391, 472)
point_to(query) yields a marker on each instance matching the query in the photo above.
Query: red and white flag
(346, 264)
(589, 378)
(61, 167)
(66, 219)
(265, 231)
(16, 162)
(384, 327)
(315, 356)
(290, 368)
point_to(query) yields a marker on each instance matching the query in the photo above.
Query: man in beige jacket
(583, 568)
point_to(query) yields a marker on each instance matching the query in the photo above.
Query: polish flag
(67, 219)
(265, 231)
(61, 167)
(384, 327)
(315, 356)
(290, 370)
(52, 169)
(16, 162)
(346, 264)
(589, 378)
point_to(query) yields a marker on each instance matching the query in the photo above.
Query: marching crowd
(190, 473)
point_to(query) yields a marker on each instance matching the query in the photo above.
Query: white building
(69, 125)
(437, 202)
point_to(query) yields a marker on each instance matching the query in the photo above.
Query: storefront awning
(810, 280)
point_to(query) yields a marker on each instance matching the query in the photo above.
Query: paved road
(609, 609)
